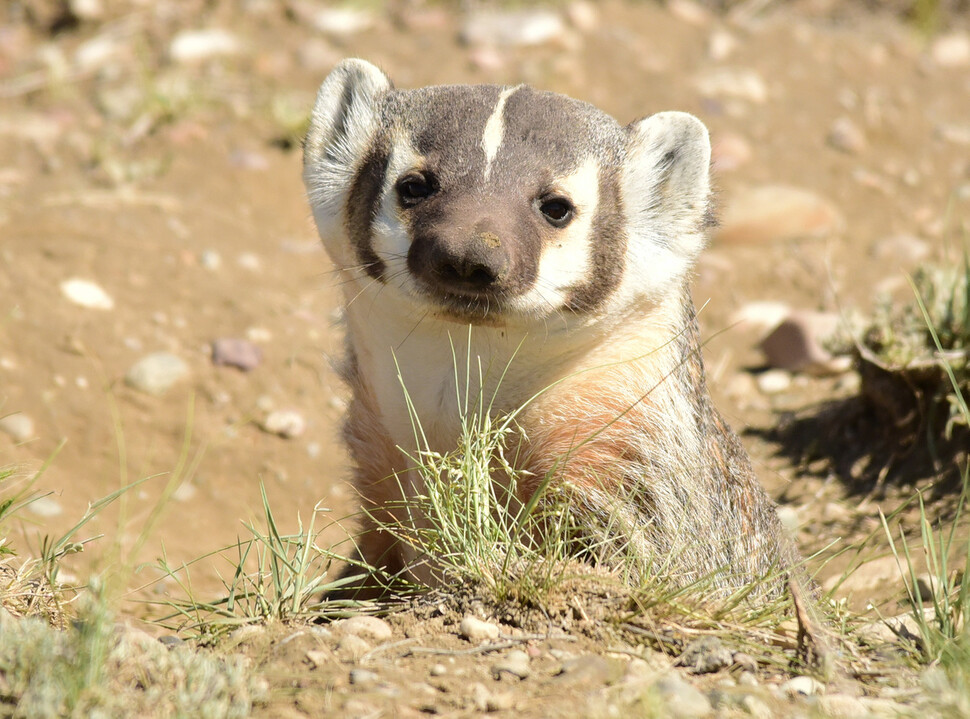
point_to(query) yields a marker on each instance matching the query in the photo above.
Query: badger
(565, 242)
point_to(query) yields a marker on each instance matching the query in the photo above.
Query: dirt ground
(164, 167)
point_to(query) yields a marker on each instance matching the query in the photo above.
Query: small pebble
(156, 373)
(197, 45)
(515, 663)
(363, 677)
(845, 136)
(170, 640)
(951, 50)
(438, 670)
(46, 507)
(365, 626)
(802, 686)
(318, 657)
(683, 701)
(512, 28)
(774, 381)
(796, 343)
(235, 352)
(734, 84)
(342, 20)
(19, 426)
(353, 646)
(86, 293)
(210, 260)
(285, 423)
(706, 655)
(475, 630)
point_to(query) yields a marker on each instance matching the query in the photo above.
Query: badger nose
(476, 264)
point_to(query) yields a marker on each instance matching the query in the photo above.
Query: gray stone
(363, 677)
(796, 343)
(85, 293)
(197, 45)
(156, 373)
(515, 663)
(774, 381)
(285, 423)
(951, 50)
(706, 656)
(845, 136)
(19, 426)
(365, 626)
(776, 213)
(235, 352)
(733, 84)
(682, 700)
(513, 28)
(475, 630)
(802, 686)
(46, 507)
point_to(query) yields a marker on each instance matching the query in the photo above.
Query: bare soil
(175, 186)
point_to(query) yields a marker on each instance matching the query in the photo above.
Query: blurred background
(167, 313)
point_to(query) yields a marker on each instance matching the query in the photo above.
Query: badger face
(489, 204)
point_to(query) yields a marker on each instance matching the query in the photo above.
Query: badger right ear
(344, 122)
(344, 116)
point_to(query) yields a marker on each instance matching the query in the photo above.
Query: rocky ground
(166, 311)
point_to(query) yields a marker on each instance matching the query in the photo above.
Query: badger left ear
(666, 182)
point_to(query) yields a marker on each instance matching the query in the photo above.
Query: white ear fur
(342, 126)
(666, 187)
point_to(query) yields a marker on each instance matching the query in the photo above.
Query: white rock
(286, 423)
(46, 507)
(689, 11)
(721, 45)
(516, 663)
(775, 213)
(19, 426)
(733, 83)
(87, 9)
(86, 293)
(845, 136)
(682, 700)
(956, 133)
(198, 45)
(342, 20)
(774, 381)
(475, 630)
(515, 28)
(788, 516)
(250, 261)
(803, 686)
(761, 317)
(583, 15)
(157, 373)
(365, 626)
(905, 249)
(210, 260)
(951, 50)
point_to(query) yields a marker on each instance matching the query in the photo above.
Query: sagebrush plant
(274, 576)
(930, 341)
(943, 302)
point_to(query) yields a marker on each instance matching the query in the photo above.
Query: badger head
(488, 203)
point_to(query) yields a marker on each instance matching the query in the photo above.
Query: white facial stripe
(565, 262)
(391, 238)
(495, 129)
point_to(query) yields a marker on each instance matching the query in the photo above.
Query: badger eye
(558, 211)
(414, 187)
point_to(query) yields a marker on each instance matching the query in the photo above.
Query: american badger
(566, 241)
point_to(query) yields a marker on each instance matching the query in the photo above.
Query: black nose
(477, 264)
